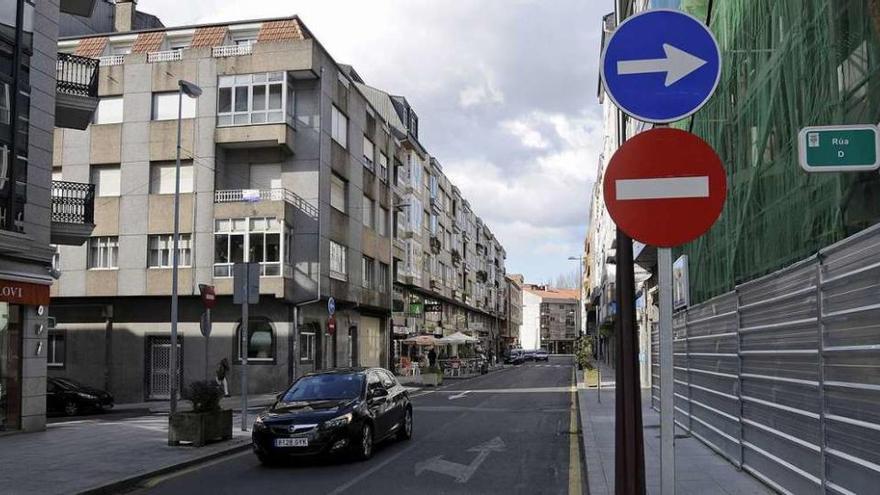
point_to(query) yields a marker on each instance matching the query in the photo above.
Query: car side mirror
(279, 397)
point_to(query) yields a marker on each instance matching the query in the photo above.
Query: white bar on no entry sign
(663, 188)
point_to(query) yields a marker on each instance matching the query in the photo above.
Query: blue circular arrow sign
(661, 65)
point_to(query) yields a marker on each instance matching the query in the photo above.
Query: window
(257, 240)
(161, 248)
(306, 346)
(55, 350)
(367, 266)
(162, 175)
(120, 49)
(103, 253)
(368, 213)
(382, 222)
(369, 151)
(383, 167)
(265, 176)
(165, 106)
(337, 192)
(338, 268)
(382, 285)
(260, 340)
(339, 127)
(246, 99)
(106, 179)
(4, 103)
(109, 110)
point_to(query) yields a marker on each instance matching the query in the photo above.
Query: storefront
(20, 352)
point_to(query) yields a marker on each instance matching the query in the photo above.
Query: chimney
(123, 19)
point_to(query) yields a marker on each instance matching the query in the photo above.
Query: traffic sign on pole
(839, 148)
(209, 298)
(665, 187)
(331, 306)
(660, 65)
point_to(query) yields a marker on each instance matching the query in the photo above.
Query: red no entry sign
(665, 187)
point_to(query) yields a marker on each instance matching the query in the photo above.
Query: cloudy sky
(505, 91)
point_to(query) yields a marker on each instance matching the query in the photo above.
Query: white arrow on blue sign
(661, 65)
(331, 306)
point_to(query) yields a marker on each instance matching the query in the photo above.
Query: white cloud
(528, 135)
(483, 93)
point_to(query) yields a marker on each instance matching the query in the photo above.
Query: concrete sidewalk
(698, 469)
(233, 402)
(101, 456)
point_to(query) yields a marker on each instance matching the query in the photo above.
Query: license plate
(291, 442)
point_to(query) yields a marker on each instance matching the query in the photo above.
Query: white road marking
(459, 396)
(461, 472)
(677, 64)
(662, 188)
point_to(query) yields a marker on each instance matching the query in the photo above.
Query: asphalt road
(507, 432)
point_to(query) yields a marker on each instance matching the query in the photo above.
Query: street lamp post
(192, 91)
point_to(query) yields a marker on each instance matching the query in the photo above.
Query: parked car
(334, 412)
(542, 355)
(529, 355)
(70, 397)
(514, 357)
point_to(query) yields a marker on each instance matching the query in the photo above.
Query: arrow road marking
(677, 64)
(662, 188)
(459, 396)
(461, 472)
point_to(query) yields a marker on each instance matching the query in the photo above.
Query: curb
(126, 483)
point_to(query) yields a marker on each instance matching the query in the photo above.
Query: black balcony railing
(73, 202)
(77, 76)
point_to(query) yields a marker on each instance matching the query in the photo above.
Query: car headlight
(337, 422)
(258, 423)
(86, 396)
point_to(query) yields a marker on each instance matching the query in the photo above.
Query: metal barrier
(76, 75)
(73, 202)
(782, 375)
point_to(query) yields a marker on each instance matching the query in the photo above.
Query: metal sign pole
(667, 422)
(243, 350)
(207, 335)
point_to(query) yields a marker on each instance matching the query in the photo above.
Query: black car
(70, 397)
(337, 411)
(515, 357)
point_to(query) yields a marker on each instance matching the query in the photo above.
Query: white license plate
(291, 442)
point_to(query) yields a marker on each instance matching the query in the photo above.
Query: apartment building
(549, 318)
(285, 162)
(448, 267)
(511, 331)
(39, 89)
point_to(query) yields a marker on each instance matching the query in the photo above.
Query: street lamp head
(574, 258)
(189, 88)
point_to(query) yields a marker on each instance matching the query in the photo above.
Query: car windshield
(68, 383)
(325, 387)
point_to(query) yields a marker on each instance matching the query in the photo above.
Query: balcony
(76, 90)
(273, 135)
(73, 212)
(232, 50)
(165, 56)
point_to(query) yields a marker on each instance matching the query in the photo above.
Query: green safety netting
(786, 64)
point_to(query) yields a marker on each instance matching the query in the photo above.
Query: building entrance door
(158, 360)
(10, 366)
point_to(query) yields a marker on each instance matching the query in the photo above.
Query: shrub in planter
(432, 376)
(207, 422)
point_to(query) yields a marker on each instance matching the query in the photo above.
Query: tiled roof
(209, 36)
(148, 42)
(284, 30)
(551, 293)
(91, 47)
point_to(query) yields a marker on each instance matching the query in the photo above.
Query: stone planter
(200, 428)
(591, 378)
(432, 379)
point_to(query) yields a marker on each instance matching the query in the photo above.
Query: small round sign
(331, 325)
(665, 187)
(331, 306)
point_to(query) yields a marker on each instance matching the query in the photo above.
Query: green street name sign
(840, 148)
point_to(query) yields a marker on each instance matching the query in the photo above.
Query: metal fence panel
(782, 375)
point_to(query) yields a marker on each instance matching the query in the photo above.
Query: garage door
(369, 341)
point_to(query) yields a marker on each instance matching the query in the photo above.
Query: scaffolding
(787, 64)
